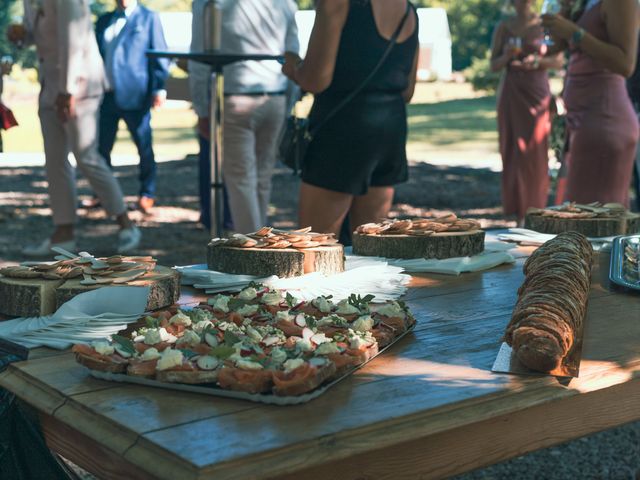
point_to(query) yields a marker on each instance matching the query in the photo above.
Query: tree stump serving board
(31, 297)
(438, 245)
(283, 262)
(591, 227)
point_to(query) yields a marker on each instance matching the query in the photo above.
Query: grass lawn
(444, 120)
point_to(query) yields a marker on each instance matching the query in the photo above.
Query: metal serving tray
(211, 389)
(623, 270)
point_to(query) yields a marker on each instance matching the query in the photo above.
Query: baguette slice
(192, 377)
(302, 379)
(250, 381)
(87, 356)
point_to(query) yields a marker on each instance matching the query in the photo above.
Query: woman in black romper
(356, 158)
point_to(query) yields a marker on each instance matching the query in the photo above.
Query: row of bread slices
(256, 341)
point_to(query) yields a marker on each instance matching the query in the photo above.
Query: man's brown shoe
(145, 204)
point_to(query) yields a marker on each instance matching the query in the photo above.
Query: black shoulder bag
(296, 135)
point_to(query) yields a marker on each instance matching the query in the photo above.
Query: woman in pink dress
(523, 109)
(603, 128)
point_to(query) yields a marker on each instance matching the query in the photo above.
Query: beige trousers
(251, 127)
(79, 136)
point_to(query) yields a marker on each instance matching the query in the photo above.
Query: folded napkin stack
(380, 279)
(494, 254)
(92, 315)
(524, 236)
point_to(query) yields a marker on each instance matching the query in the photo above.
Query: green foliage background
(471, 22)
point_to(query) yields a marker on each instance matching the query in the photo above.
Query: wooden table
(430, 406)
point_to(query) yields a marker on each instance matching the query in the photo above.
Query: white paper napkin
(92, 315)
(524, 236)
(495, 254)
(373, 277)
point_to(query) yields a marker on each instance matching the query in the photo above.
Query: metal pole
(216, 116)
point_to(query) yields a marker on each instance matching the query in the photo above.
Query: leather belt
(256, 94)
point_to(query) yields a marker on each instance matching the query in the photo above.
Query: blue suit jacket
(135, 76)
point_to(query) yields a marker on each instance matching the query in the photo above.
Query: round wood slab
(590, 227)
(439, 245)
(38, 297)
(283, 262)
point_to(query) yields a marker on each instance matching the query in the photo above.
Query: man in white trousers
(72, 82)
(254, 104)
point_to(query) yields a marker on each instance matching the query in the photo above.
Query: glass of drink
(551, 7)
(515, 44)
(17, 32)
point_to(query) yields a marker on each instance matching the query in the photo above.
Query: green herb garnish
(311, 321)
(222, 352)
(188, 354)
(291, 300)
(360, 302)
(230, 338)
(151, 321)
(125, 344)
(236, 303)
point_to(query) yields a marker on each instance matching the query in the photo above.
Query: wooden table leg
(86, 453)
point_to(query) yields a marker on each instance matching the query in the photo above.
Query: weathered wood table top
(430, 406)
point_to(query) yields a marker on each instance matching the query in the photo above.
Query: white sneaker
(43, 249)
(129, 239)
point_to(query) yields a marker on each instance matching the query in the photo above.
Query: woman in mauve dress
(603, 128)
(523, 109)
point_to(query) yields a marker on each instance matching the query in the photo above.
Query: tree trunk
(35, 297)
(438, 245)
(590, 227)
(284, 262)
(164, 289)
(28, 297)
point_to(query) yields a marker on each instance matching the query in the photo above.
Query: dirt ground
(171, 232)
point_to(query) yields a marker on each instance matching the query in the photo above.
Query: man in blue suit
(137, 84)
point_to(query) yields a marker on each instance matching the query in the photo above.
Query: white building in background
(435, 45)
(434, 36)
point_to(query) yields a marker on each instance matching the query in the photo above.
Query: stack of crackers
(115, 269)
(269, 237)
(552, 302)
(448, 222)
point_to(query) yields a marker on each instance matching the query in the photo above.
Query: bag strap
(354, 93)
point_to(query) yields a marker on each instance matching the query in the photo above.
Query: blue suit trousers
(139, 125)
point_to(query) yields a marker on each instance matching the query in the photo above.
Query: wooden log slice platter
(591, 227)
(438, 245)
(29, 297)
(283, 262)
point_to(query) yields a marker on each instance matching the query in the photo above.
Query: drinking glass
(515, 45)
(16, 31)
(551, 7)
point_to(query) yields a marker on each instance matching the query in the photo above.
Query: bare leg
(374, 206)
(324, 210)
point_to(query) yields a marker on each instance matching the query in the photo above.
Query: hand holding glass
(515, 46)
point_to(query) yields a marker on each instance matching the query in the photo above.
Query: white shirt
(248, 27)
(118, 21)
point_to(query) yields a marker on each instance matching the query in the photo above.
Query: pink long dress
(603, 128)
(523, 127)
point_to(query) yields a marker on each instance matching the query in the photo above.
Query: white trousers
(79, 135)
(251, 128)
